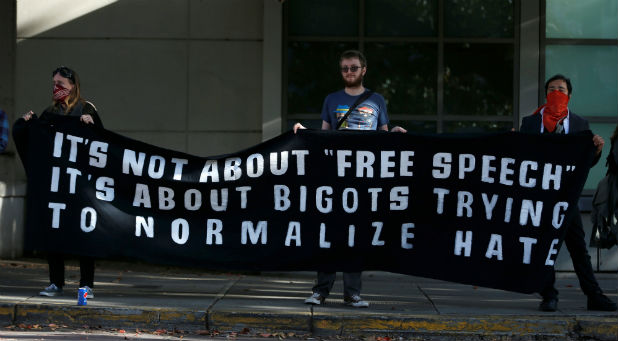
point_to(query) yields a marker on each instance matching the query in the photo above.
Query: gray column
(529, 55)
(271, 67)
(12, 179)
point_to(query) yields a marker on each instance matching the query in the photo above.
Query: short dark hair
(354, 54)
(559, 77)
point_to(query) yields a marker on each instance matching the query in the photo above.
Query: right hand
(298, 126)
(27, 116)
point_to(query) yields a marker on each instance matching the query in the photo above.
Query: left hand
(598, 142)
(398, 129)
(86, 119)
(298, 126)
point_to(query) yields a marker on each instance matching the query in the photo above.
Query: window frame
(544, 41)
(440, 118)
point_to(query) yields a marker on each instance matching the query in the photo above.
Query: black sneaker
(600, 302)
(549, 304)
(51, 290)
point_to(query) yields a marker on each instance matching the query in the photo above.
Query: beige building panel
(225, 86)
(103, 18)
(135, 85)
(216, 143)
(169, 140)
(226, 19)
(12, 226)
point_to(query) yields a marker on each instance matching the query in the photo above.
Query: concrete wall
(185, 75)
(12, 180)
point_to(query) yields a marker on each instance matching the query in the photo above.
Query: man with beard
(554, 117)
(369, 114)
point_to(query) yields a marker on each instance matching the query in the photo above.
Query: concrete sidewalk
(130, 295)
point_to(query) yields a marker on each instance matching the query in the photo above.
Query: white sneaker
(51, 290)
(356, 302)
(315, 299)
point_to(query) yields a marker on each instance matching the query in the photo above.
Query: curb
(430, 326)
(102, 316)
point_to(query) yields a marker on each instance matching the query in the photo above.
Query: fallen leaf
(121, 331)
(265, 335)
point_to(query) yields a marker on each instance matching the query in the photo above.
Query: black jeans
(351, 283)
(576, 244)
(56, 270)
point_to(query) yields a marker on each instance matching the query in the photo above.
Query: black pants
(576, 244)
(56, 270)
(351, 283)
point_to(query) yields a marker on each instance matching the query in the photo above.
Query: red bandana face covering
(60, 93)
(555, 109)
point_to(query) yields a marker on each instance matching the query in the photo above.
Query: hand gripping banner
(483, 209)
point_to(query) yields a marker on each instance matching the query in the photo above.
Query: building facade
(215, 76)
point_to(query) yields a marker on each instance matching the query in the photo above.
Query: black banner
(483, 209)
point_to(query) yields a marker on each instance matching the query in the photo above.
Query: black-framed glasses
(64, 72)
(352, 68)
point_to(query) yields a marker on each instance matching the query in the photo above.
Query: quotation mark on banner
(570, 168)
(328, 152)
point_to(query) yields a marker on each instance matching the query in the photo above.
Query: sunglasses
(64, 72)
(352, 68)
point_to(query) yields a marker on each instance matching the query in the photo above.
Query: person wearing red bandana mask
(67, 100)
(554, 117)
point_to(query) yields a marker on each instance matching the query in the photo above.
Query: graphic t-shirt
(369, 115)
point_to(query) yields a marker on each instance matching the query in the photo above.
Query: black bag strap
(359, 100)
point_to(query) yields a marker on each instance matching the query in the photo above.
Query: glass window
(605, 130)
(413, 18)
(323, 18)
(593, 71)
(424, 127)
(427, 79)
(582, 19)
(310, 124)
(476, 127)
(478, 79)
(405, 74)
(313, 73)
(478, 18)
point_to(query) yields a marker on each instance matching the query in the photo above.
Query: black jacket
(532, 125)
